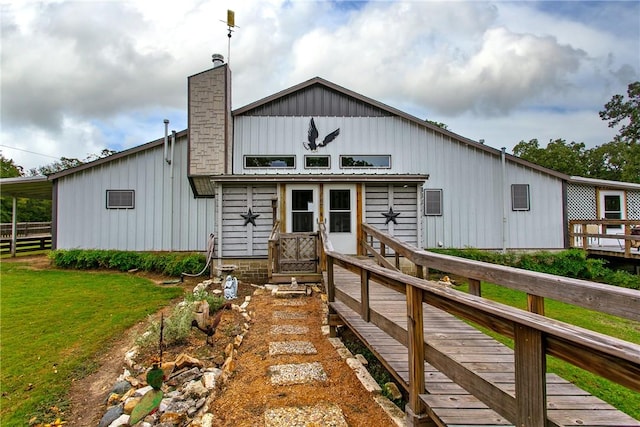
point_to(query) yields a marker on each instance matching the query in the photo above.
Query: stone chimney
(210, 123)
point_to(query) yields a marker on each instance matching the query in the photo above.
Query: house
(312, 152)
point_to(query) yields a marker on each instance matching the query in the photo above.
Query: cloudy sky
(79, 76)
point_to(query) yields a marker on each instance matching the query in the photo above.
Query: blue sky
(79, 76)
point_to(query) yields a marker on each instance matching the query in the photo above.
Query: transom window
(317, 162)
(366, 161)
(120, 199)
(340, 211)
(269, 162)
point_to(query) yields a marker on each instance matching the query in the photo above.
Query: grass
(53, 324)
(621, 397)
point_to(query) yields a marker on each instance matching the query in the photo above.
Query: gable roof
(305, 99)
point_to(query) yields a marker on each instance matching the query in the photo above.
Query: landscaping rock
(121, 387)
(112, 414)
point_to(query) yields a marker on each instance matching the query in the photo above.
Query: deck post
(416, 414)
(364, 295)
(531, 387)
(535, 304)
(331, 295)
(475, 287)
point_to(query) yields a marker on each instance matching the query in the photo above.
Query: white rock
(120, 421)
(124, 375)
(247, 298)
(244, 305)
(209, 380)
(144, 390)
(207, 420)
(364, 376)
(195, 389)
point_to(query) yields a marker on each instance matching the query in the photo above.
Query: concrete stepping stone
(323, 414)
(289, 315)
(298, 373)
(289, 302)
(289, 330)
(291, 347)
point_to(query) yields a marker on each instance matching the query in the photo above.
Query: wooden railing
(534, 335)
(24, 229)
(587, 234)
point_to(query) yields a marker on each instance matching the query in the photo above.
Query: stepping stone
(289, 330)
(289, 315)
(289, 302)
(324, 414)
(299, 373)
(291, 347)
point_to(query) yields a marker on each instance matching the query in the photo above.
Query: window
(433, 202)
(339, 211)
(301, 211)
(373, 161)
(269, 161)
(120, 199)
(520, 197)
(316, 162)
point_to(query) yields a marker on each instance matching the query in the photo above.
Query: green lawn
(622, 398)
(52, 325)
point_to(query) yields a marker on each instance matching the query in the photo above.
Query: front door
(303, 210)
(339, 210)
(611, 206)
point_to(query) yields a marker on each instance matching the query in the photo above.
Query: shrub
(172, 264)
(175, 331)
(214, 301)
(569, 263)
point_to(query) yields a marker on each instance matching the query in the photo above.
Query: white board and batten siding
(242, 240)
(403, 200)
(471, 179)
(166, 216)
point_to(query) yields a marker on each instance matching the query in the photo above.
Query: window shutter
(433, 202)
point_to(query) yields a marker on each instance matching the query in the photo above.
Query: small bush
(569, 263)
(171, 264)
(175, 331)
(214, 301)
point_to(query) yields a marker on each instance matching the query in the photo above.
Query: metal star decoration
(250, 217)
(391, 216)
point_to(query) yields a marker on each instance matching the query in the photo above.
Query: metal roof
(28, 187)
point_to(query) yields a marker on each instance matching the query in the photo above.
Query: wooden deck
(449, 340)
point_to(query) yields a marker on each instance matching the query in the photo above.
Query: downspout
(170, 161)
(504, 199)
(166, 137)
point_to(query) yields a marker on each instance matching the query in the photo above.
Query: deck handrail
(579, 233)
(535, 336)
(608, 299)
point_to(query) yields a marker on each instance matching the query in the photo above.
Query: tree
(8, 169)
(621, 157)
(618, 110)
(558, 155)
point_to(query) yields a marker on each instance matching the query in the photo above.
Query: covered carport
(27, 187)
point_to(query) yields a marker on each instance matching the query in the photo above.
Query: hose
(211, 247)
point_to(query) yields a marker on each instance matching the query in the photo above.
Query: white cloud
(78, 76)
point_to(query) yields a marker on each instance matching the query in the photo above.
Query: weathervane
(231, 23)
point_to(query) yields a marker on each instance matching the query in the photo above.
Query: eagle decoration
(312, 137)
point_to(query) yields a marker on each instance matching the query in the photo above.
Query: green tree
(568, 158)
(8, 169)
(621, 157)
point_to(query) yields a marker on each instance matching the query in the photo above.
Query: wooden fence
(30, 236)
(24, 229)
(534, 335)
